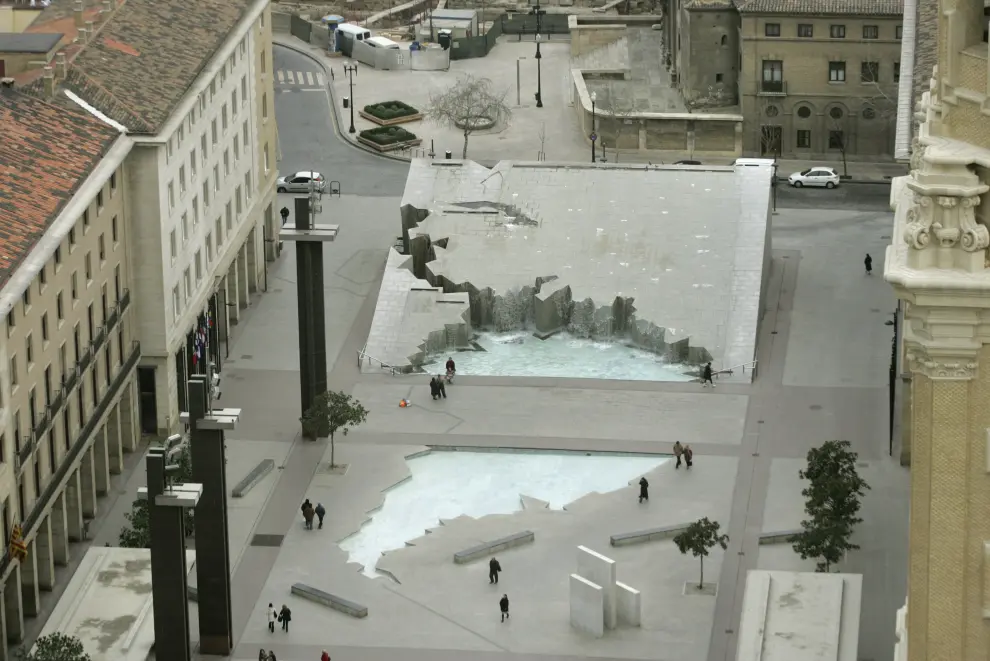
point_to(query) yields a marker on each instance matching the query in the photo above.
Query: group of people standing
(308, 512)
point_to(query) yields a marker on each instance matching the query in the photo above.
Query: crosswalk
(300, 78)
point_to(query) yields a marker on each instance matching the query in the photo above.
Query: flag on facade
(17, 548)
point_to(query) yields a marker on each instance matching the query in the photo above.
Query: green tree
(55, 647)
(700, 538)
(330, 413)
(137, 534)
(832, 503)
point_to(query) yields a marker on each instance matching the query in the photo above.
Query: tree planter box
(390, 147)
(391, 122)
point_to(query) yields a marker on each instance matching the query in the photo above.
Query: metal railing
(362, 356)
(773, 87)
(34, 517)
(743, 367)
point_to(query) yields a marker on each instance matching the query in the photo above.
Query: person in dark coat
(308, 513)
(688, 456)
(503, 605)
(320, 513)
(441, 387)
(678, 451)
(493, 569)
(644, 490)
(435, 387)
(868, 263)
(706, 376)
(285, 616)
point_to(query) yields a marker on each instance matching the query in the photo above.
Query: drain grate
(267, 540)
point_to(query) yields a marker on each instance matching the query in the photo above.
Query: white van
(347, 34)
(382, 42)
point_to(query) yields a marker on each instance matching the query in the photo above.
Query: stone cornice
(943, 366)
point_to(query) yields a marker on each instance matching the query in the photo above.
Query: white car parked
(816, 176)
(298, 182)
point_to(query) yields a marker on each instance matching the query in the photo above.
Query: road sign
(594, 136)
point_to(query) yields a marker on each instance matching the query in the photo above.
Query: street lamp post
(539, 74)
(594, 97)
(349, 71)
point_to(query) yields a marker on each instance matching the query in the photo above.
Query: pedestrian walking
(325, 656)
(644, 490)
(272, 616)
(308, 513)
(320, 513)
(285, 616)
(688, 456)
(271, 655)
(706, 376)
(503, 605)
(443, 389)
(678, 451)
(493, 569)
(868, 263)
(435, 387)
(262, 655)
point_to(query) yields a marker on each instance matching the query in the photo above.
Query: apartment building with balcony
(191, 85)
(68, 355)
(817, 79)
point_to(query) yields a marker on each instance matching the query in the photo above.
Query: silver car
(298, 182)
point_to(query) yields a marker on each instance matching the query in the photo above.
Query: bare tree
(542, 135)
(770, 129)
(470, 105)
(838, 136)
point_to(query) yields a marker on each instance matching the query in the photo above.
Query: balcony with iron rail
(773, 88)
(70, 380)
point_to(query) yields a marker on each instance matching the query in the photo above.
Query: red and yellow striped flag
(17, 548)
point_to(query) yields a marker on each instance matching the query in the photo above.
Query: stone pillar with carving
(938, 265)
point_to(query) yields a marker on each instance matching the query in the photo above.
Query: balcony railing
(34, 517)
(70, 380)
(773, 88)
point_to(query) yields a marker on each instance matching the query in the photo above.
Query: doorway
(148, 402)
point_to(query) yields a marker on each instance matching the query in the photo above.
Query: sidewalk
(552, 130)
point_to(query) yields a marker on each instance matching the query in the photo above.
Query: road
(308, 140)
(848, 197)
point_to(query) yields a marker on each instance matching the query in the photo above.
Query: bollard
(347, 102)
(447, 155)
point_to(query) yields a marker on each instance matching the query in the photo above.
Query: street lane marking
(291, 77)
(309, 78)
(319, 79)
(281, 76)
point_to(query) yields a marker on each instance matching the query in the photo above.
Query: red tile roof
(46, 153)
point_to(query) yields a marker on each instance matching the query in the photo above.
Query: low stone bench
(252, 478)
(490, 548)
(648, 535)
(315, 595)
(777, 537)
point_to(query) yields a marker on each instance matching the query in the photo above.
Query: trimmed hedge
(387, 110)
(387, 135)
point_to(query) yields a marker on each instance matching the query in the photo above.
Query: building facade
(704, 58)
(201, 175)
(68, 354)
(820, 84)
(939, 266)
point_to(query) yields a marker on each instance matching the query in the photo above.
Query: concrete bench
(193, 593)
(648, 535)
(245, 485)
(777, 537)
(310, 593)
(490, 548)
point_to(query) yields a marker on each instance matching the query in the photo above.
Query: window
(195, 210)
(216, 178)
(44, 327)
(837, 31)
(209, 247)
(202, 104)
(26, 299)
(11, 322)
(181, 135)
(835, 140)
(244, 89)
(89, 267)
(102, 247)
(869, 72)
(263, 62)
(773, 76)
(223, 117)
(223, 76)
(237, 201)
(116, 282)
(244, 134)
(247, 185)
(214, 132)
(171, 196)
(206, 193)
(58, 251)
(897, 72)
(806, 30)
(718, 78)
(168, 151)
(771, 29)
(233, 103)
(59, 308)
(199, 265)
(264, 105)
(99, 207)
(237, 147)
(185, 228)
(202, 148)
(187, 280)
(724, 40)
(213, 87)
(174, 245)
(182, 180)
(898, 32)
(836, 72)
(229, 213)
(871, 32)
(218, 230)
(226, 162)
(29, 350)
(267, 164)
(113, 183)
(113, 230)
(192, 163)
(242, 47)
(13, 370)
(176, 301)
(43, 277)
(74, 287)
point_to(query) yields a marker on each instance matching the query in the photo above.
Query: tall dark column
(168, 568)
(216, 635)
(312, 316)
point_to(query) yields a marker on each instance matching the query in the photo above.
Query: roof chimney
(83, 36)
(90, 29)
(49, 82)
(61, 66)
(107, 6)
(78, 11)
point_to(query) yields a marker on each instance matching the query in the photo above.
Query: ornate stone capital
(957, 366)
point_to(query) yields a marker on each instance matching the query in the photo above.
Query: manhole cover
(815, 407)
(247, 356)
(267, 540)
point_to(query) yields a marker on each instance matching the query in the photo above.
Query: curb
(342, 134)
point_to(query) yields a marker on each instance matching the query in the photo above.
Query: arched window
(804, 112)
